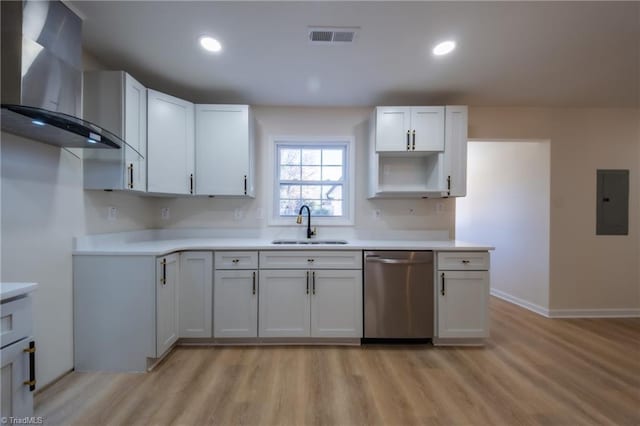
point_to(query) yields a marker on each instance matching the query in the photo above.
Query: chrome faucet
(310, 233)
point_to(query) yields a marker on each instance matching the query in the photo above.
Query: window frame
(348, 188)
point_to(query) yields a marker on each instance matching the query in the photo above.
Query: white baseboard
(520, 302)
(594, 313)
(566, 313)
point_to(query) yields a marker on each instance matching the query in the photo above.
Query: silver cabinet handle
(395, 261)
(254, 282)
(442, 287)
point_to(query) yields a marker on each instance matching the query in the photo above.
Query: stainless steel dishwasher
(398, 295)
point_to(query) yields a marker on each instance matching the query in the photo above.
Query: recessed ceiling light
(210, 44)
(444, 48)
(91, 140)
(38, 122)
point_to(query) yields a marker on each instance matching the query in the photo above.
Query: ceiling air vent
(332, 35)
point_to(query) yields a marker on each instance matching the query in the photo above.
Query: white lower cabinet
(17, 398)
(235, 303)
(167, 273)
(311, 303)
(195, 294)
(285, 308)
(336, 303)
(463, 304)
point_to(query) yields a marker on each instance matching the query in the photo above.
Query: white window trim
(273, 217)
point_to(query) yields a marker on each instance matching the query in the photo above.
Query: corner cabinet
(224, 150)
(167, 275)
(170, 151)
(463, 295)
(116, 101)
(418, 152)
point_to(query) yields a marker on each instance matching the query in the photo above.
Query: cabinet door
(135, 130)
(284, 306)
(170, 144)
(463, 304)
(195, 294)
(166, 303)
(17, 399)
(222, 149)
(392, 129)
(235, 304)
(455, 151)
(427, 128)
(336, 303)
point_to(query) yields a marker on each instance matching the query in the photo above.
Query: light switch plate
(165, 213)
(112, 214)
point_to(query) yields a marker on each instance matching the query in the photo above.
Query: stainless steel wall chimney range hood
(42, 76)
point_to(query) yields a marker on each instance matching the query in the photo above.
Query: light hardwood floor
(533, 370)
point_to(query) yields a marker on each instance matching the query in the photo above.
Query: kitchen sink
(306, 242)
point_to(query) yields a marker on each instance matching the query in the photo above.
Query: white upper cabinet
(224, 150)
(455, 153)
(170, 150)
(409, 129)
(117, 102)
(135, 130)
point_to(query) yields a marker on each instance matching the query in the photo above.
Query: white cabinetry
(170, 150)
(224, 150)
(414, 129)
(463, 295)
(17, 377)
(195, 294)
(236, 294)
(427, 161)
(455, 152)
(285, 307)
(167, 274)
(317, 296)
(117, 102)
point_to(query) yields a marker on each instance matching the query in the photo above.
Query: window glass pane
(311, 173)
(332, 192)
(332, 173)
(335, 207)
(289, 173)
(290, 207)
(311, 157)
(311, 192)
(332, 157)
(290, 192)
(289, 156)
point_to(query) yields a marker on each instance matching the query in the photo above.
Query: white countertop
(10, 290)
(158, 243)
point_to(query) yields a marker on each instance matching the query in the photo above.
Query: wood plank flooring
(533, 370)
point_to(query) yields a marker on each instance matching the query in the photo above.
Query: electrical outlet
(412, 211)
(112, 214)
(165, 213)
(376, 214)
(238, 214)
(439, 208)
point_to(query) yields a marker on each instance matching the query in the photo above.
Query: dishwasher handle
(395, 261)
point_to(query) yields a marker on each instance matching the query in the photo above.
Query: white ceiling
(515, 53)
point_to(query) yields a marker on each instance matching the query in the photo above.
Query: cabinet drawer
(15, 320)
(306, 259)
(236, 260)
(463, 261)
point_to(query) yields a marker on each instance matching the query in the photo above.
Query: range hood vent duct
(42, 76)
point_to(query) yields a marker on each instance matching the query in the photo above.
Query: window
(315, 174)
